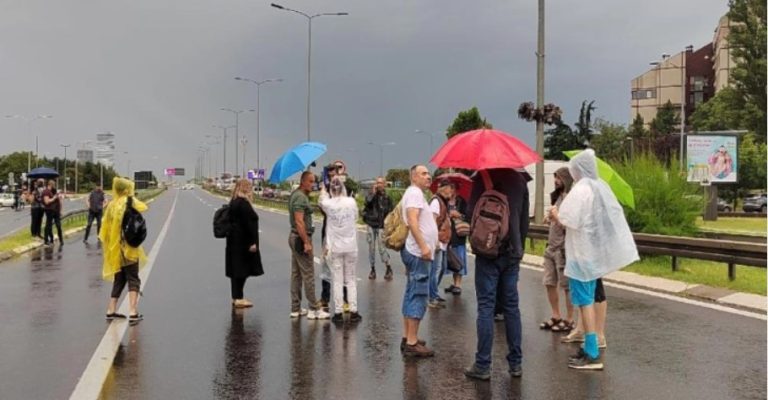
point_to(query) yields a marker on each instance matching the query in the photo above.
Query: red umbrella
(463, 183)
(484, 149)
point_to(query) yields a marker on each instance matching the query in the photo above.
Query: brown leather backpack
(443, 222)
(490, 221)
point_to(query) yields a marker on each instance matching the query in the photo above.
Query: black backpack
(134, 228)
(222, 225)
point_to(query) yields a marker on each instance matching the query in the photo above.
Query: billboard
(174, 172)
(712, 158)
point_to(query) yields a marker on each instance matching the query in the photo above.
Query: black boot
(372, 275)
(388, 274)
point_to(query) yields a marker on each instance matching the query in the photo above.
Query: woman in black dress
(242, 254)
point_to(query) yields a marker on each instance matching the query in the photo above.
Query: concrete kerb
(737, 300)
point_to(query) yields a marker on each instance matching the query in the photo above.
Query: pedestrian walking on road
(302, 258)
(341, 247)
(439, 207)
(597, 242)
(554, 261)
(95, 203)
(242, 257)
(417, 255)
(121, 260)
(36, 211)
(377, 205)
(499, 209)
(52, 205)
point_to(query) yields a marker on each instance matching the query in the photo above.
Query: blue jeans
(501, 273)
(417, 287)
(439, 264)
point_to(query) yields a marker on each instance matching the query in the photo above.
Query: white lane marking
(92, 380)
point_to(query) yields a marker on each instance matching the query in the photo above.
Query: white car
(6, 200)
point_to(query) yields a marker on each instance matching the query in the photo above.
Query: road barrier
(731, 252)
(742, 214)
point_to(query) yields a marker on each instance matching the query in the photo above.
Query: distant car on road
(6, 200)
(756, 203)
(723, 206)
(188, 186)
(268, 193)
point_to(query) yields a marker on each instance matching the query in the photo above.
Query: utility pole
(538, 210)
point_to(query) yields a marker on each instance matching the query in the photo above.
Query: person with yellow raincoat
(121, 261)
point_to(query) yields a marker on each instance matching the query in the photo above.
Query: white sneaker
(318, 314)
(297, 314)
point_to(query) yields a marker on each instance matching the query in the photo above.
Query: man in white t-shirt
(417, 257)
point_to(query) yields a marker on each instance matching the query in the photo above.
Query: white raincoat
(598, 240)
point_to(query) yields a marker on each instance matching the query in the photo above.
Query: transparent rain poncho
(117, 253)
(598, 240)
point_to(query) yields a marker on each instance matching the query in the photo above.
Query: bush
(665, 203)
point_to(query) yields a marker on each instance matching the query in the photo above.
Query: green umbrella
(618, 185)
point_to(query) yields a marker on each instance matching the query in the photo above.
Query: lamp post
(258, 108)
(224, 143)
(244, 142)
(65, 146)
(381, 148)
(309, 52)
(237, 129)
(538, 209)
(431, 136)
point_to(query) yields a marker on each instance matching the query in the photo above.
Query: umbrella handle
(486, 179)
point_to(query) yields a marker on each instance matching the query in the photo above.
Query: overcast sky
(156, 72)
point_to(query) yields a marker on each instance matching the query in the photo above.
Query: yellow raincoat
(116, 252)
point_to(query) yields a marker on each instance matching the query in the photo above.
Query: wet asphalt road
(11, 220)
(192, 345)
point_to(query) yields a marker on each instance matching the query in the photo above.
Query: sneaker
(573, 337)
(586, 363)
(372, 275)
(417, 350)
(477, 373)
(449, 289)
(435, 304)
(456, 291)
(602, 343)
(135, 317)
(242, 303)
(403, 343)
(338, 318)
(355, 317)
(297, 314)
(318, 314)
(498, 317)
(388, 274)
(578, 355)
(440, 299)
(516, 371)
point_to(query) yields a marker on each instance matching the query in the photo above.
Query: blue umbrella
(43, 172)
(295, 160)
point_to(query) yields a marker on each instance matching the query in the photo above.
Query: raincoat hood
(116, 252)
(583, 165)
(566, 179)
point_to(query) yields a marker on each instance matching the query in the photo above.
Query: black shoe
(372, 275)
(580, 354)
(440, 299)
(115, 315)
(135, 317)
(587, 363)
(337, 318)
(456, 291)
(449, 289)
(388, 274)
(476, 373)
(355, 317)
(418, 351)
(403, 343)
(516, 371)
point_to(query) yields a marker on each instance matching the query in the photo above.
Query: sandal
(564, 326)
(548, 324)
(136, 317)
(115, 315)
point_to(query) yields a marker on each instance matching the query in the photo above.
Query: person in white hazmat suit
(597, 242)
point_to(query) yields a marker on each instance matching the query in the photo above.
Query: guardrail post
(674, 263)
(731, 271)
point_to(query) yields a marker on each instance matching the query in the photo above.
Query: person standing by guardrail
(597, 242)
(36, 211)
(52, 207)
(95, 204)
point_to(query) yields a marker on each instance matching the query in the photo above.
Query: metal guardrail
(742, 214)
(731, 252)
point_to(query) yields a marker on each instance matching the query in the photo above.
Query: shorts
(417, 287)
(554, 269)
(582, 293)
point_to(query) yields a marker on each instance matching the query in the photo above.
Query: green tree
(726, 110)
(611, 143)
(466, 121)
(584, 125)
(561, 137)
(637, 129)
(752, 161)
(747, 39)
(400, 177)
(666, 119)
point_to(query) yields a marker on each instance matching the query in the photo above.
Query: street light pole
(224, 144)
(381, 148)
(258, 112)
(309, 54)
(538, 210)
(65, 146)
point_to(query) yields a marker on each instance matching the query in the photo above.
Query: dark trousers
(52, 218)
(37, 221)
(325, 295)
(93, 215)
(128, 274)
(490, 277)
(238, 284)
